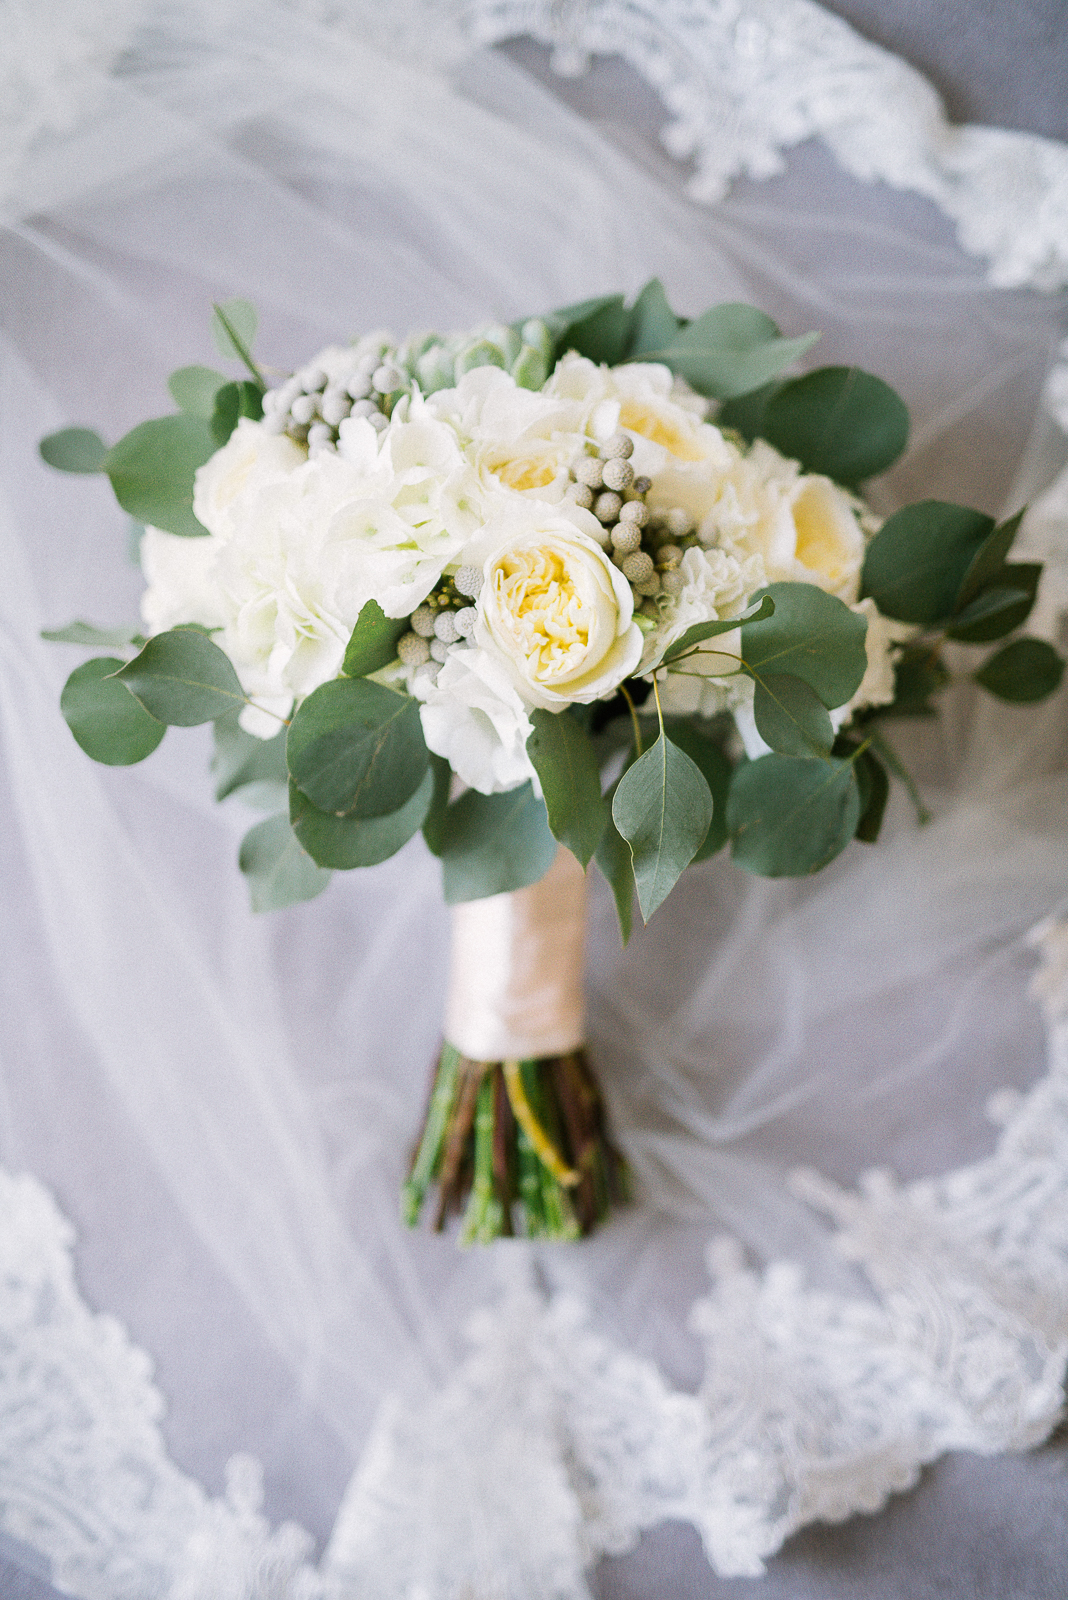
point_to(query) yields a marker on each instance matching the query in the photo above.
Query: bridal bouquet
(594, 586)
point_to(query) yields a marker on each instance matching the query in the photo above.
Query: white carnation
(249, 460)
(475, 719)
(182, 585)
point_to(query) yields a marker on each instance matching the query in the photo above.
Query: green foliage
(716, 770)
(789, 816)
(728, 351)
(152, 468)
(564, 759)
(346, 842)
(663, 809)
(278, 871)
(240, 759)
(183, 679)
(1023, 671)
(812, 636)
(791, 717)
(874, 784)
(74, 450)
(700, 631)
(233, 401)
(492, 843)
(373, 642)
(1000, 609)
(357, 748)
(105, 719)
(838, 421)
(988, 564)
(613, 857)
(920, 559)
(653, 323)
(193, 389)
(233, 327)
(88, 634)
(434, 822)
(918, 674)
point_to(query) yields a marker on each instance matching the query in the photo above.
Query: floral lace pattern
(812, 1404)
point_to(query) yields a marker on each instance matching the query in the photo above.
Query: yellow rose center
(652, 424)
(544, 611)
(821, 545)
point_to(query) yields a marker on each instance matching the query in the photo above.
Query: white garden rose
(804, 526)
(474, 717)
(250, 459)
(515, 438)
(555, 611)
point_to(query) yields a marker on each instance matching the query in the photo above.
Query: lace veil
(224, 1104)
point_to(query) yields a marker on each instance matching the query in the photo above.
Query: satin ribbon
(516, 988)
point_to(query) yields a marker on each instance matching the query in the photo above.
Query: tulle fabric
(225, 1103)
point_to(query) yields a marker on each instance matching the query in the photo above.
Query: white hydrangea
(515, 439)
(250, 459)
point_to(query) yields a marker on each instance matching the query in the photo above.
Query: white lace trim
(744, 81)
(551, 1446)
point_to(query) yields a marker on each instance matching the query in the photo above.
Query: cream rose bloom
(554, 611)
(804, 527)
(249, 460)
(514, 438)
(474, 717)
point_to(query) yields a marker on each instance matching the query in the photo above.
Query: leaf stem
(540, 1142)
(900, 771)
(633, 716)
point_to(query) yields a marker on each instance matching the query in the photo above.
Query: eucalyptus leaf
(105, 719)
(874, 784)
(790, 815)
(838, 421)
(731, 350)
(373, 642)
(613, 858)
(232, 402)
(348, 842)
(183, 679)
(74, 450)
(494, 843)
(791, 717)
(279, 872)
(233, 327)
(357, 748)
(240, 759)
(152, 469)
(716, 770)
(987, 565)
(563, 757)
(917, 562)
(1024, 671)
(811, 635)
(919, 673)
(999, 610)
(434, 821)
(747, 412)
(663, 809)
(88, 634)
(561, 321)
(654, 322)
(700, 631)
(193, 389)
(605, 335)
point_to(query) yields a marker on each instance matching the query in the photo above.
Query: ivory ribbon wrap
(516, 973)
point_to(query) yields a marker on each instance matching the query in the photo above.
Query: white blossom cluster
(544, 545)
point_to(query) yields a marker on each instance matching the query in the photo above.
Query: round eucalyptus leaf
(347, 842)
(1024, 671)
(838, 421)
(183, 679)
(74, 450)
(358, 748)
(811, 635)
(279, 872)
(152, 469)
(105, 719)
(919, 559)
(790, 815)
